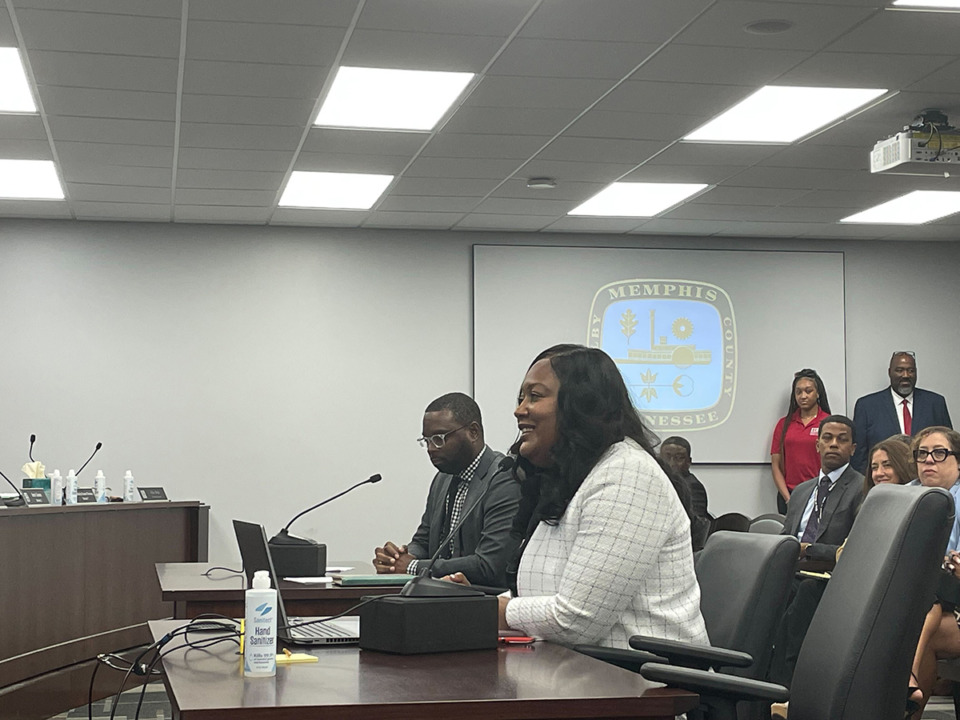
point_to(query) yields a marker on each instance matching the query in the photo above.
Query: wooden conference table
(192, 593)
(541, 681)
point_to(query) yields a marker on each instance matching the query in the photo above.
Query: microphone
(424, 585)
(95, 451)
(13, 503)
(303, 557)
(33, 439)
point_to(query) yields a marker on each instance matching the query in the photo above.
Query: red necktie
(907, 420)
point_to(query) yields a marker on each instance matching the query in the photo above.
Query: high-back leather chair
(855, 661)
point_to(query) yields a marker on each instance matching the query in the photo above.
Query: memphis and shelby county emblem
(675, 342)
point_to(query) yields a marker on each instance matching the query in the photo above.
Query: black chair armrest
(710, 684)
(627, 659)
(687, 655)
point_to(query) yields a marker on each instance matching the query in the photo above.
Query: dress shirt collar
(466, 475)
(834, 475)
(898, 400)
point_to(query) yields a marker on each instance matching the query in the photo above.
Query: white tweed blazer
(618, 563)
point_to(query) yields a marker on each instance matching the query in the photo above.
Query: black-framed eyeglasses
(938, 455)
(438, 441)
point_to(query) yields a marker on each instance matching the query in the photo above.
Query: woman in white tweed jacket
(610, 555)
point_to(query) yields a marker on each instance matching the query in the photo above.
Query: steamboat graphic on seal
(676, 346)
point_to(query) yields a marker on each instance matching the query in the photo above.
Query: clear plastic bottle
(56, 488)
(100, 487)
(71, 488)
(129, 488)
(260, 628)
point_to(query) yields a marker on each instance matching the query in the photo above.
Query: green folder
(349, 580)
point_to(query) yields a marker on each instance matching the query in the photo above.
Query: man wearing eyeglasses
(901, 408)
(468, 474)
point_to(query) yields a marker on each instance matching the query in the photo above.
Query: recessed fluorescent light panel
(342, 191)
(14, 91)
(782, 114)
(637, 199)
(29, 180)
(928, 4)
(390, 99)
(916, 208)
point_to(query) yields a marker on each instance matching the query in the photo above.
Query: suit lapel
(891, 412)
(802, 498)
(833, 501)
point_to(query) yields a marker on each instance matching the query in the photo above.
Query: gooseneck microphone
(13, 503)
(372, 479)
(33, 439)
(95, 451)
(302, 557)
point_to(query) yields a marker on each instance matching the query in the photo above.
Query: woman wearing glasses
(607, 550)
(936, 450)
(793, 451)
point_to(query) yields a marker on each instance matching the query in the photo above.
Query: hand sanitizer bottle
(100, 487)
(260, 628)
(129, 489)
(71, 487)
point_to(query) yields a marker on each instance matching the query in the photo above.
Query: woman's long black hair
(822, 401)
(594, 411)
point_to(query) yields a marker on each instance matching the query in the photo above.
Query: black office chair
(770, 523)
(855, 661)
(744, 584)
(735, 522)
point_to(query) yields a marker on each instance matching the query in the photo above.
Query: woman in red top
(793, 452)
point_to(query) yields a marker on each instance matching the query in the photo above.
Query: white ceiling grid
(198, 110)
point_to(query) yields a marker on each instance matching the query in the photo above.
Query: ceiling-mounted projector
(929, 140)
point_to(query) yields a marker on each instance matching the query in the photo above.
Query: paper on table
(310, 580)
(338, 570)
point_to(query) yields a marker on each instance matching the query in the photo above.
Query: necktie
(813, 524)
(907, 420)
(448, 509)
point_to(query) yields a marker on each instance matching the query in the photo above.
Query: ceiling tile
(16, 149)
(344, 162)
(667, 98)
(231, 214)
(675, 226)
(431, 220)
(119, 194)
(146, 8)
(434, 187)
(454, 145)
(415, 203)
(727, 66)
(253, 79)
(490, 17)
(536, 92)
(105, 72)
(519, 223)
(263, 43)
(749, 196)
(102, 130)
(82, 32)
(87, 153)
(235, 198)
(564, 171)
(904, 32)
(570, 58)
(326, 218)
(92, 172)
(636, 126)
(461, 167)
(862, 70)
(263, 137)
(8, 36)
(510, 121)
(525, 206)
(813, 26)
(22, 127)
(420, 51)
(600, 150)
(683, 153)
(573, 224)
(612, 20)
(34, 209)
(568, 190)
(245, 159)
(228, 179)
(87, 102)
(121, 211)
(294, 12)
(710, 174)
(364, 142)
(293, 112)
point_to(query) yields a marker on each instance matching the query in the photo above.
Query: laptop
(255, 553)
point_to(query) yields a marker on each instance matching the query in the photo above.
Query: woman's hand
(458, 577)
(952, 563)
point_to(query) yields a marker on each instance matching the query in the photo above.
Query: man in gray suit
(820, 514)
(468, 475)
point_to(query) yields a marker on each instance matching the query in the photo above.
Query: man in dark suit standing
(901, 408)
(820, 514)
(468, 473)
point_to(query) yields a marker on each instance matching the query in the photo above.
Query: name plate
(152, 494)
(35, 496)
(85, 495)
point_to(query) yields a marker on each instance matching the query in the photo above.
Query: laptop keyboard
(321, 631)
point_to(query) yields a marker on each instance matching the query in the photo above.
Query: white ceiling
(198, 110)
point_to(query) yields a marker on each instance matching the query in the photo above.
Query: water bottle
(56, 488)
(100, 487)
(71, 494)
(129, 489)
